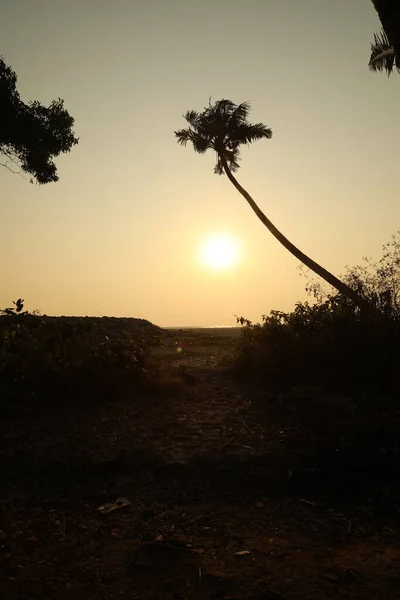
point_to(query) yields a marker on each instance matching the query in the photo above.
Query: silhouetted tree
(385, 50)
(223, 127)
(31, 135)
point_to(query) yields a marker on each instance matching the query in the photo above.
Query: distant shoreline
(5, 317)
(205, 327)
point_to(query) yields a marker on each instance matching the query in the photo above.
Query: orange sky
(120, 233)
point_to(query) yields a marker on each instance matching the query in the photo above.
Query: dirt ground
(205, 487)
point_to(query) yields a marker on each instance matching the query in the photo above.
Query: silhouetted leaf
(382, 54)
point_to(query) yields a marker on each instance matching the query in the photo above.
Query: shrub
(70, 354)
(329, 342)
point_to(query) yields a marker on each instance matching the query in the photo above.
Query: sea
(204, 327)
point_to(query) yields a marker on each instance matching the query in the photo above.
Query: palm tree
(389, 15)
(383, 57)
(223, 127)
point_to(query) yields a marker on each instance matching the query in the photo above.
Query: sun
(220, 252)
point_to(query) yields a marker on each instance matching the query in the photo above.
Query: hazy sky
(119, 234)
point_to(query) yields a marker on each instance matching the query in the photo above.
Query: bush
(70, 354)
(330, 342)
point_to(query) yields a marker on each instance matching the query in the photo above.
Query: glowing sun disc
(219, 252)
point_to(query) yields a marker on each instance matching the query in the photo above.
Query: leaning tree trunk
(389, 15)
(343, 288)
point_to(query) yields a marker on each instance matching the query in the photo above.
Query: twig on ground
(306, 501)
(225, 445)
(247, 427)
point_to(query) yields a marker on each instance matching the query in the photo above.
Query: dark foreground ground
(202, 487)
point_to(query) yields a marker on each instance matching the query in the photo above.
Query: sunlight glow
(220, 252)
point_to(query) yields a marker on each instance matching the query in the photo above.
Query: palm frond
(241, 112)
(200, 143)
(183, 136)
(223, 107)
(247, 133)
(192, 116)
(382, 54)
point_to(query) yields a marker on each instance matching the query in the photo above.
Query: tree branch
(11, 159)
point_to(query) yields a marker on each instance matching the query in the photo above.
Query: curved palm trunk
(306, 260)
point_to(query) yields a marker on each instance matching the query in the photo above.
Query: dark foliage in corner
(385, 50)
(32, 135)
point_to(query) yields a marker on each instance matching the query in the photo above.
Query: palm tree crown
(223, 127)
